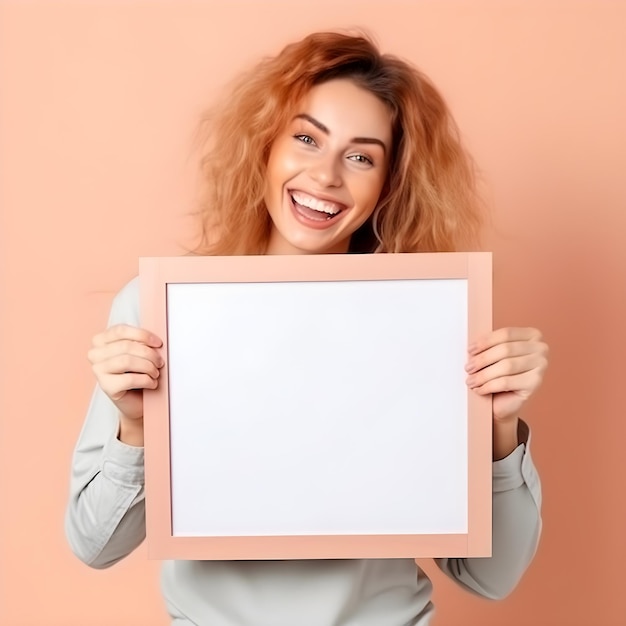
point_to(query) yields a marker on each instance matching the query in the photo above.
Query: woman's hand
(125, 361)
(508, 363)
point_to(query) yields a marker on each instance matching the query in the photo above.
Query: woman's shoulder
(125, 307)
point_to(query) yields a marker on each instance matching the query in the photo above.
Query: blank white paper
(316, 408)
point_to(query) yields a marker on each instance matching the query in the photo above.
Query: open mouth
(311, 208)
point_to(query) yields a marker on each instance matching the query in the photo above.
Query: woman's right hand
(126, 360)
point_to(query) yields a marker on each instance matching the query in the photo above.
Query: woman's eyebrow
(324, 129)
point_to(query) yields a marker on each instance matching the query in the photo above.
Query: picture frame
(315, 407)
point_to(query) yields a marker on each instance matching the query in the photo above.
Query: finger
(502, 351)
(125, 364)
(523, 384)
(118, 348)
(121, 332)
(503, 335)
(505, 368)
(116, 386)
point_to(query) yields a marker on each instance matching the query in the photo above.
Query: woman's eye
(362, 158)
(306, 139)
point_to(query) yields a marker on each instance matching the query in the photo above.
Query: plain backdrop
(98, 106)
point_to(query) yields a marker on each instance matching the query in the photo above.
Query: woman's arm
(508, 363)
(105, 516)
(516, 527)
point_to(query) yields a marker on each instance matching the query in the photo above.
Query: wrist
(505, 437)
(130, 430)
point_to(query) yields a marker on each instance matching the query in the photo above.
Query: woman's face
(327, 168)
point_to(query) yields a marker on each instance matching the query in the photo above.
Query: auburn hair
(429, 202)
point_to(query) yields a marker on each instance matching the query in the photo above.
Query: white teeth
(330, 208)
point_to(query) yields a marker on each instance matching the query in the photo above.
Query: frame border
(157, 272)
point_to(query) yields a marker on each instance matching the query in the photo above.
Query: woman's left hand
(508, 363)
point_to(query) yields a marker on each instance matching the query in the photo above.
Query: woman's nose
(325, 171)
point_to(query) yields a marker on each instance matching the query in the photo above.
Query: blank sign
(316, 407)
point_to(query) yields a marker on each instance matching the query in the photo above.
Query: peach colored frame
(156, 273)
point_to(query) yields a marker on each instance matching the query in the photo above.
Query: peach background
(98, 106)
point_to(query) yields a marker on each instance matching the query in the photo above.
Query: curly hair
(429, 202)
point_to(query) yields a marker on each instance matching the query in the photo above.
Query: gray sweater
(105, 521)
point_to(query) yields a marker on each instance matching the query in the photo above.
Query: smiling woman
(330, 147)
(378, 106)
(327, 168)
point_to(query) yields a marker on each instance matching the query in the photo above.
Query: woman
(329, 147)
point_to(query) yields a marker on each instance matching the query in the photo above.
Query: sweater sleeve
(516, 529)
(105, 515)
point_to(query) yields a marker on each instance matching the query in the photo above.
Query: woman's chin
(304, 243)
